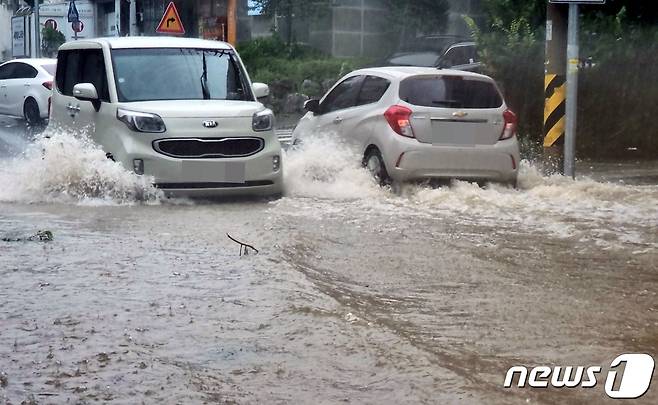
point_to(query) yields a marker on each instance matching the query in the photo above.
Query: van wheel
(31, 112)
(375, 164)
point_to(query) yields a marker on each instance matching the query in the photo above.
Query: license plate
(214, 172)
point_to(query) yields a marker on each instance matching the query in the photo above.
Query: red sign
(170, 23)
(77, 26)
(50, 23)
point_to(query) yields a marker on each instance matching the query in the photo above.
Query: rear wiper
(204, 79)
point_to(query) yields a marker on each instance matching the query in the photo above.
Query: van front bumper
(258, 174)
(249, 188)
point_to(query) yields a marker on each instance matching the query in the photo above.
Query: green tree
(51, 39)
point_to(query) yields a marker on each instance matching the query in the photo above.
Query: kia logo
(210, 123)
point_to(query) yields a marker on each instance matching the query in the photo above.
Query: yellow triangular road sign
(170, 23)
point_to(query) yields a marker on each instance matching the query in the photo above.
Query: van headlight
(141, 122)
(263, 121)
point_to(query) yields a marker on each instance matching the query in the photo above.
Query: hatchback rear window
(450, 92)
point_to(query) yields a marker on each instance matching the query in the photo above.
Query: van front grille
(208, 148)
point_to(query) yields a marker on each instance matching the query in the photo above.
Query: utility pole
(117, 17)
(133, 18)
(571, 67)
(555, 89)
(232, 20)
(37, 30)
(573, 57)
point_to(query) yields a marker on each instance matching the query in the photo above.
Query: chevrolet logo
(459, 114)
(210, 123)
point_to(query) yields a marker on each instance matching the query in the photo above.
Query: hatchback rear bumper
(418, 161)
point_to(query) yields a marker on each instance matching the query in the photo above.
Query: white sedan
(25, 88)
(410, 123)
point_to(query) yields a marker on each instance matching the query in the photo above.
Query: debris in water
(351, 318)
(4, 380)
(40, 236)
(244, 247)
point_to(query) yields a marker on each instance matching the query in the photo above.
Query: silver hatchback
(410, 123)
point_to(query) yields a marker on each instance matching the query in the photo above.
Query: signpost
(74, 19)
(170, 22)
(77, 26)
(18, 41)
(573, 59)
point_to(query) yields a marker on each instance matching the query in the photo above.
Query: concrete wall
(352, 28)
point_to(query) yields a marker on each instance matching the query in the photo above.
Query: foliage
(622, 41)
(513, 55)
(285, 68)
(615, 94)
(51, 39)
(504, 13)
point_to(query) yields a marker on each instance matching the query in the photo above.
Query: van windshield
(148, 74)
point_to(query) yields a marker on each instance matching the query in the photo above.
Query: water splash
(323, 171)
(70, 168)
(324, 168)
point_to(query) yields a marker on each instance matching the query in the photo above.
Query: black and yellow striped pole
(555, 92)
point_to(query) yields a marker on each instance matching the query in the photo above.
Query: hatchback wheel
(31, 112)
(375, 165)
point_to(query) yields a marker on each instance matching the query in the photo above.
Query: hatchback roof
(402, 72)
(150, 42)
(32, 61)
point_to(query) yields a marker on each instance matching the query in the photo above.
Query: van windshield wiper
(204, 79)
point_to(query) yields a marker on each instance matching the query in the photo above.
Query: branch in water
(243, 245)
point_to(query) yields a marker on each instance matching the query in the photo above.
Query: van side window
(82, 66)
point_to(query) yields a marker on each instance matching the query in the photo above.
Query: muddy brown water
(357, 295)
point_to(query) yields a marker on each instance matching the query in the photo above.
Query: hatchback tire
(31, 112)
(375, 164)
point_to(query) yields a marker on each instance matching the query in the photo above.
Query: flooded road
(357, 294)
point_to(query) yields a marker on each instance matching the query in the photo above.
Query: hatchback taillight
(398, 118)
(48, 85)
(509, 127)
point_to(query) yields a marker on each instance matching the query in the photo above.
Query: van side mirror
(261, 90)
(312, 106)
(87, 92)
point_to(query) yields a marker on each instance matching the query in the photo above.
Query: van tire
(31, 112)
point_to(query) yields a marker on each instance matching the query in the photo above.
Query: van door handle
(338, 120)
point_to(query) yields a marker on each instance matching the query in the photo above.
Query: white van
(181, 110)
